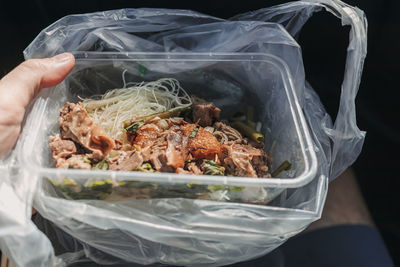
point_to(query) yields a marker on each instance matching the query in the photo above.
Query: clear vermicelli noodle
(136, 99)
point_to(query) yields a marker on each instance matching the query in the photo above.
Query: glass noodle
(135, 100)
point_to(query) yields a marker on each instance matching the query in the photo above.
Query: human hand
(20, 86)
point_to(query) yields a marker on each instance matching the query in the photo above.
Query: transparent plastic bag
(176, 230)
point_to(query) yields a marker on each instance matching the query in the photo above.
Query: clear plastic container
(229, 80)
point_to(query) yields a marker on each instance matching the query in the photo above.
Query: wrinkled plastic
(177, 230)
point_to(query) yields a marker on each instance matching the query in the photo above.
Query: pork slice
(147, 135)
(126, 161)
(177, 148)
(74, 162)
(202, 143)
(231, 133)
(238, 160)
(193, 168)
(158, 154)
(182, 171)
(61, 148)
(76, 124)
(204, 113)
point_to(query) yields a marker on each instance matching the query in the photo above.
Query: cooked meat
(170, 144)
(231, 133)
(61, 149)
(74, 162)
(76, 124)
(204, 113)
(118, 144)
(238, 159)
(146, 138)
(126, 161)
(177, 150)
(182, 171)
(147, 135)
(209, 129)
(202, 144)
(261, 166)
(158, 155)
(175, 121)
(193, 168)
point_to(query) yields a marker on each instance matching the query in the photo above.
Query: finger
(22, 84)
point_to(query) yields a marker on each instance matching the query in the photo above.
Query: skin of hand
(20, 86)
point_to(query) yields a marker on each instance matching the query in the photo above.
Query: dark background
(323, 42)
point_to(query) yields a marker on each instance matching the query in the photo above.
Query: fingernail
(64, 57)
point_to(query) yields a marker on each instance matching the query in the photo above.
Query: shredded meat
(76, 124)
(61, 149)
(170, 145)
(193, 168)
(118, 144)
(204, 113)
(260, 165)
(182, 171)
(74, 162)
(126, 161)
(238, 159)
(158, 155)
(231, 133)
(209, 129)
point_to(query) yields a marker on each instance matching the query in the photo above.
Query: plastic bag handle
(346, 138)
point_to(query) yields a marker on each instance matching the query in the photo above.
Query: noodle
(138, 99)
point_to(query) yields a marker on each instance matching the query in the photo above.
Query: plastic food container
(229, 80)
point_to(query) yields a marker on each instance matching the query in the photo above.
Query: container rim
(305, 141)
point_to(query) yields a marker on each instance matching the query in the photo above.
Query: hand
(20, 86)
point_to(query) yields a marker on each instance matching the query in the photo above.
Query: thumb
(22, 84)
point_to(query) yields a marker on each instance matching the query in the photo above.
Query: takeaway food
(156, 127)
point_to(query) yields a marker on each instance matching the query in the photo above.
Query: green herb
(146, 167)
(235, 189)
(248, 131)
(86, 160)
(102, 165)
(285, 166)
(194, 132)
(132, 128)
(165, 114)
(212, 168)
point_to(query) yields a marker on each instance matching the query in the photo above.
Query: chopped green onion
(165, 114)
(285, 166)
(102, 165)
(250, 113)
(194, 132)
(212, 168)
(86, 160)
(248, 131)
(146, 167)
(132, 128)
